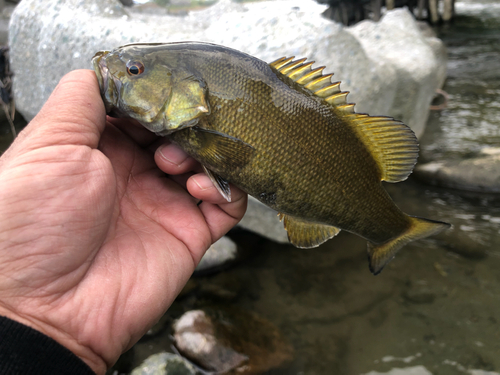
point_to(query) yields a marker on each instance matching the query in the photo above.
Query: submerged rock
(480, 173)
(165, 364)
(223, 340)
(219, 255)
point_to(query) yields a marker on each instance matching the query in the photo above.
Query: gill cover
(186, 104)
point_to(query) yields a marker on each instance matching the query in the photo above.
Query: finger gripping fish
(282, 132)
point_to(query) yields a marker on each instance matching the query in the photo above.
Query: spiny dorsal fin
(392, 144)
(314, 80)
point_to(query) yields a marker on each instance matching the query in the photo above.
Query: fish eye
(135, 68)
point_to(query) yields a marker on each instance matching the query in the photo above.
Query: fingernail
(203, 182)
(175, 155)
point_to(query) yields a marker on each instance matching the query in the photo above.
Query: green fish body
(282, 132)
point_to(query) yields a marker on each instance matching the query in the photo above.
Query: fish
(282, 132)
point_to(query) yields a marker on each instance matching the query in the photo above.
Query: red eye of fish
(135, 68)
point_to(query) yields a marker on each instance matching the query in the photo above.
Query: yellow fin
(300, 71)
(337, 99)
(330, 90)
(347, 108)
(304, 234)
(293, 65)
(380, 255)
(392, 144)
(312, 79)
(281, 62)
(309, 76)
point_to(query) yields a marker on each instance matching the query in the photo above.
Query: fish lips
(101, 70)
(103, 78)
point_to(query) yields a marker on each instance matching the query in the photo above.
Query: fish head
(139, 82)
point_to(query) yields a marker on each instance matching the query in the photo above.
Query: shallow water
(471, 120)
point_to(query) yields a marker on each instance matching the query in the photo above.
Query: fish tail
(379, 255)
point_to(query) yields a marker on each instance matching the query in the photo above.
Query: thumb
(74, 114)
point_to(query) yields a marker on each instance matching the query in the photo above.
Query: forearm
(24, 350)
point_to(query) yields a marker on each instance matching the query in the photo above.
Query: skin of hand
(98, 232)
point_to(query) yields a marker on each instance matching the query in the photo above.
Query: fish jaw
(102, 73)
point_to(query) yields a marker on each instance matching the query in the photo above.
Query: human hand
(95, 240)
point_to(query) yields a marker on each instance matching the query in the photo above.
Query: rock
(391, 67)
(405, 59)
(223, 340)
(195, 338)
(219, 255)
(414, 370)
(263, 220)
(165, 364)
(480, 173)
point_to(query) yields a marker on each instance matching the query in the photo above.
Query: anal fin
(305, 234)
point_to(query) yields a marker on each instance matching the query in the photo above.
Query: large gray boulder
(391, 68)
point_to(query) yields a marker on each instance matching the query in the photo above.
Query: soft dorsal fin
(392, 144)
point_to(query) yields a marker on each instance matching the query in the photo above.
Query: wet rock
(165, 364)
(390, 68)
(222, 287)
(413, 370)
(221, 254)
(223, 340)
(461, 241)
(480, 173)
(419, 296)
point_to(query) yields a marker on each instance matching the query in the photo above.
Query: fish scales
(318, 137)
(247, 123)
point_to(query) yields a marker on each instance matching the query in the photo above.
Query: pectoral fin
(220, 151)
(305, 234)
(221, 184)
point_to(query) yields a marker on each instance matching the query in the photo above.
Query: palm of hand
(104, 239)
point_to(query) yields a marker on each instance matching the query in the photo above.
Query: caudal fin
(380, 255)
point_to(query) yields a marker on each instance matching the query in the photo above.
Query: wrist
(85, 354)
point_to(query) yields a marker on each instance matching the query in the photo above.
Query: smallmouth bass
(282, 132)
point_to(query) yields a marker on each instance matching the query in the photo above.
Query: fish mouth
(102, 73)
